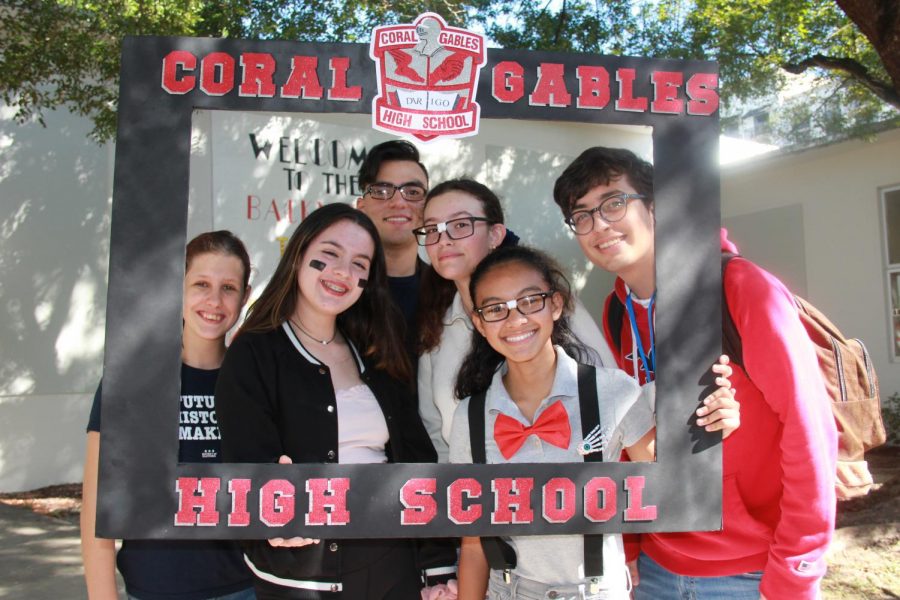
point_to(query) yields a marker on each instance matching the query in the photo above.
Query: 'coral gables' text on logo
(259, 75)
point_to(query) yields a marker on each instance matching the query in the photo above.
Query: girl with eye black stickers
(317, 375)
(521, 381)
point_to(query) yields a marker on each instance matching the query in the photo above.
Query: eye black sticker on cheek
(318, 265)
(363, 282)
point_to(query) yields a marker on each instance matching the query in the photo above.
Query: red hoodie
(778, 499)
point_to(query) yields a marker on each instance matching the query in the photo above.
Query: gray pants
(520, 588)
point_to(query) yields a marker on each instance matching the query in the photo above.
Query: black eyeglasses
(411, 192)
(612, 209)
(526, 305)
(456, 229)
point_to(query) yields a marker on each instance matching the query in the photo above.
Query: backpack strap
(615, 312)
(731, 339)
(590, 418)
(499, 554)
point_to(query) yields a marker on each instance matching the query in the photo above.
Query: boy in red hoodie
(778, 498)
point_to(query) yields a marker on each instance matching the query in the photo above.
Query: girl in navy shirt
(216, 286)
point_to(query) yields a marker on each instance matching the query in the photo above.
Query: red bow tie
(552, 427)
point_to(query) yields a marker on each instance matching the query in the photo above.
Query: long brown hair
(437, 293)
(370, 324)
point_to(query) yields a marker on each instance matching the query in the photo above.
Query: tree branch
(852, 69)
(879, 21)
(559, 24)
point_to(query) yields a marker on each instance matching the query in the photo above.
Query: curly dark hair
(370, 323)
(482, 361)
(598, 166)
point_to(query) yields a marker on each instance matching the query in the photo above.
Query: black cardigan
(273, 397)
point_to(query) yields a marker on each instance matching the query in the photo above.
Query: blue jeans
(247, 594)
(656, 583)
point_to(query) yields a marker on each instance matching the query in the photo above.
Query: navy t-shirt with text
(181, 569)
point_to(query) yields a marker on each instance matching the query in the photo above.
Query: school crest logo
(427, 77)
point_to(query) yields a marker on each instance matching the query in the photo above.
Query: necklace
(311, 336)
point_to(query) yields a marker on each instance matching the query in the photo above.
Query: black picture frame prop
(145, 493)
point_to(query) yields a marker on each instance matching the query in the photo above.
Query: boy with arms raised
(778, 491)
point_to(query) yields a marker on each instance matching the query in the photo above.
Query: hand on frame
(720, 410)
(294, 542)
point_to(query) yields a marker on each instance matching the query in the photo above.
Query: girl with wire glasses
(521, 384)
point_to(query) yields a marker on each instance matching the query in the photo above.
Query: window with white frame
(890, 205)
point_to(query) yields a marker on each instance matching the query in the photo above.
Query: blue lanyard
(649, 366)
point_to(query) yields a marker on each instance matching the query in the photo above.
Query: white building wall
(55, 187)
(55, 190)
(814, 219)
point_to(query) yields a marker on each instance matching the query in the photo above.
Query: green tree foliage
(55, 54)
(855, 67)
(758, 42)
(66, 53)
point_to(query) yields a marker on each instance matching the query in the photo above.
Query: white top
(362, 430)
(438, 367)
(624, 412)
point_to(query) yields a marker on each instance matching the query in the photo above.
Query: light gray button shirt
(625, 410)
(439, 366)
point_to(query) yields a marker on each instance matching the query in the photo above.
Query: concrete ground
(40, 557)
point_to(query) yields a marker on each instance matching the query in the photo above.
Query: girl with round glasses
(523, 370)
(463, 223)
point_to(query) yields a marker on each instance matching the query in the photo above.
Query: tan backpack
(849, 378)
(852, 388)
